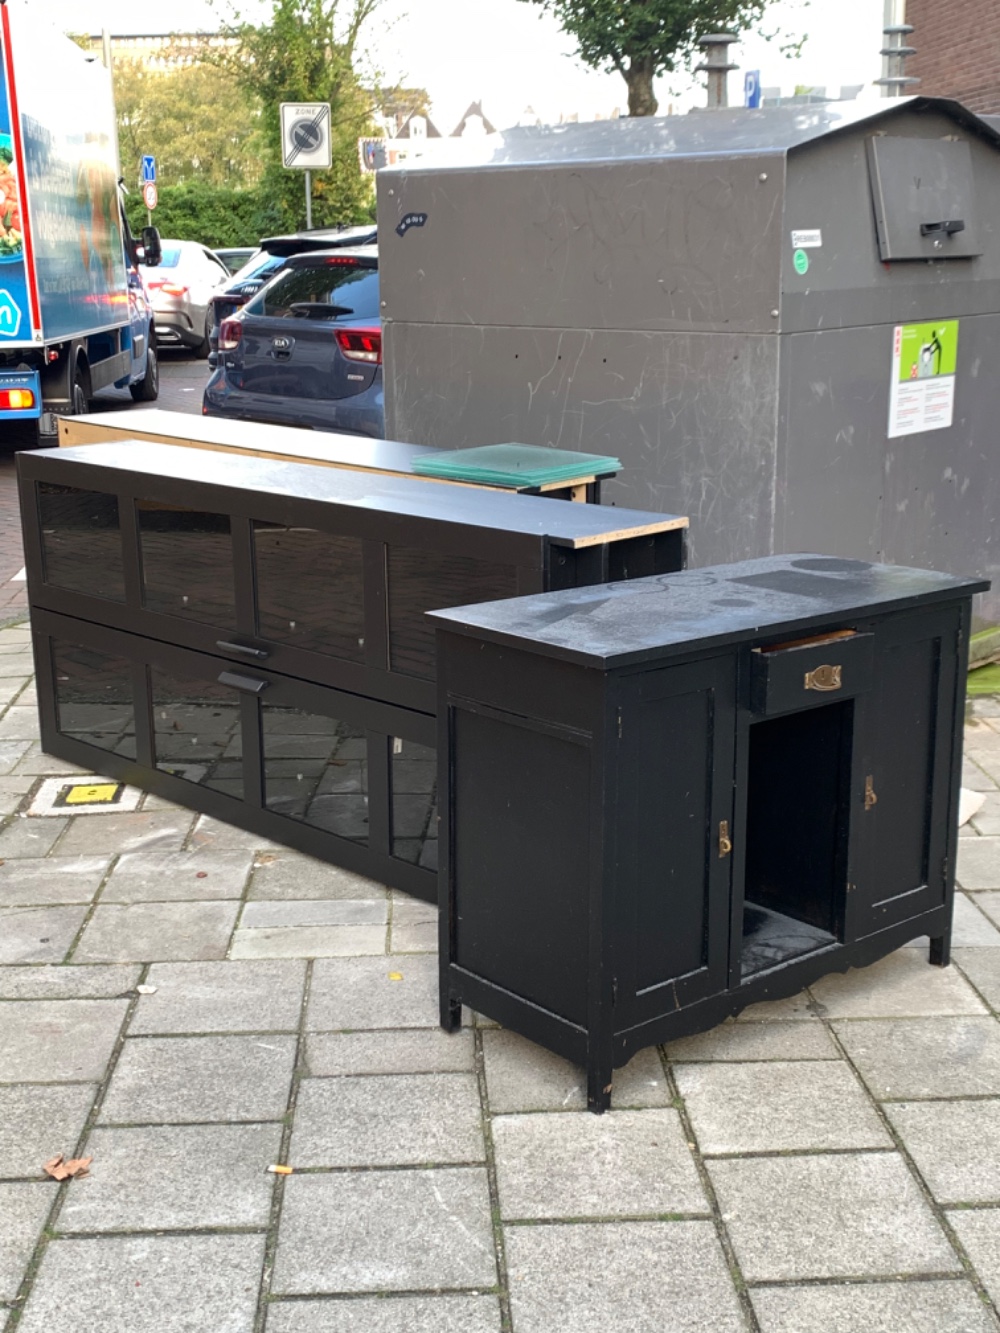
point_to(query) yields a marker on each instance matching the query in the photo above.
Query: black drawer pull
(243, 682)
(259, 653)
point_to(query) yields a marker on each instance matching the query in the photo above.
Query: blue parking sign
(148, 169)
(751, 88)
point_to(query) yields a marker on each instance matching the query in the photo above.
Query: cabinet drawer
(809, 672)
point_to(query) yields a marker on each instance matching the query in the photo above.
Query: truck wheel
(147, 390)
(80, 396)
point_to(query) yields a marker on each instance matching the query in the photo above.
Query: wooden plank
(256, 439)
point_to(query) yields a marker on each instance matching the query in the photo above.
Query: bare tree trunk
(639, 78)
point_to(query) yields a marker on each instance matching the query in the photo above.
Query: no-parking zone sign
(305, 135)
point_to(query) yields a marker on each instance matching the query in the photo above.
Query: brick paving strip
(826, 1163)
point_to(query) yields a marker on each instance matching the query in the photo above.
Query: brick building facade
(958, 50)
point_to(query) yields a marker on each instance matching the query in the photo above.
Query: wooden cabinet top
(103, 467)
(624, 624)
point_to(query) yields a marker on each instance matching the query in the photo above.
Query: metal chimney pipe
(894, 82)
(717, 66)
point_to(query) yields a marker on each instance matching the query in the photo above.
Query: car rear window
(171, 258)
(327, 291)
(257, 265)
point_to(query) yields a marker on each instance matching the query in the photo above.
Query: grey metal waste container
(785, 322)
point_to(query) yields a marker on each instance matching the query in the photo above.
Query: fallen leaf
(60, 1169)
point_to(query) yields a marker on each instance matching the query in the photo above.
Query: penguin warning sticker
(924, 366)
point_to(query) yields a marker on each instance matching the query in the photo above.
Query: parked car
(307, 349)
(271, 257)
(180, 288)
(235, 256)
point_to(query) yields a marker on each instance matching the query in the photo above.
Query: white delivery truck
(74, 317)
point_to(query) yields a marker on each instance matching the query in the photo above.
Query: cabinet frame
(584, 662)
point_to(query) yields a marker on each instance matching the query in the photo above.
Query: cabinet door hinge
(619, 724)
(945, 865)
(614, 991)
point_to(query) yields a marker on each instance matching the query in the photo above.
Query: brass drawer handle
(725, 842)
(824, 678)
(870, 796)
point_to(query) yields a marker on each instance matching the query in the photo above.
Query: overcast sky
(509, 56)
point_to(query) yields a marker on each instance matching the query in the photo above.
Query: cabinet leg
(451, 1013)
(940, 954)
(599, 1088)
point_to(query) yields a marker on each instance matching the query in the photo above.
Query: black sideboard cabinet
(672, 798)
(247, 637)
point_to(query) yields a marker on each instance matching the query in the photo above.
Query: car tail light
(361, 344)
(16, 400)
(343, 260)
(173, 289)
(230, 334)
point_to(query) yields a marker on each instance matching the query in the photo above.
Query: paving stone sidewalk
(188, 1005)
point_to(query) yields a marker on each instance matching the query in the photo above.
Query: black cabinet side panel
(519, 817)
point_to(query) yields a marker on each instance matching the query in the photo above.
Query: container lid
(514, 465)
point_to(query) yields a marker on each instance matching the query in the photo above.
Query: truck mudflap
(20, 395)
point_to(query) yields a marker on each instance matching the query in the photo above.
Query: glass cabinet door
(187, 563)
(425, 580)
(197, 734)
(413, 788)
(315, 769)
(81, 541)
(94, 697)
(310, 590)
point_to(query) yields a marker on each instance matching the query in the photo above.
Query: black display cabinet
(671, 798)
(247, 637)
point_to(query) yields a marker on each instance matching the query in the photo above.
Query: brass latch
(725, 842)
(870, 797)
(824, 678)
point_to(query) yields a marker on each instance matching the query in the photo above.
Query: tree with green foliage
(191, 117)
(213, 214)
(643, 38)
(306, 52)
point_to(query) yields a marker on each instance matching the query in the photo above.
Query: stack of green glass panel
(514, 465)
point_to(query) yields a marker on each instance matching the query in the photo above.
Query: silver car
(181, 288)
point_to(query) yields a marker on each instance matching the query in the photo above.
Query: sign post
(305, 142)
(149, 185)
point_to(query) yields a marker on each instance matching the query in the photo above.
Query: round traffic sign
(149, 194)
(306, 135)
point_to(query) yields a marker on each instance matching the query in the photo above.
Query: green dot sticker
(801, 261)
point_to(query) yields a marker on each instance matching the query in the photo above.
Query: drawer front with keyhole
(808, 673)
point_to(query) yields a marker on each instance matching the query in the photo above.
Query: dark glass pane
(421, 581)
(316, 770)
(187, 564)
(81, 541)
(196, 731)
(413, 776)
(310, 589)
(94, 701)
(340, 287)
